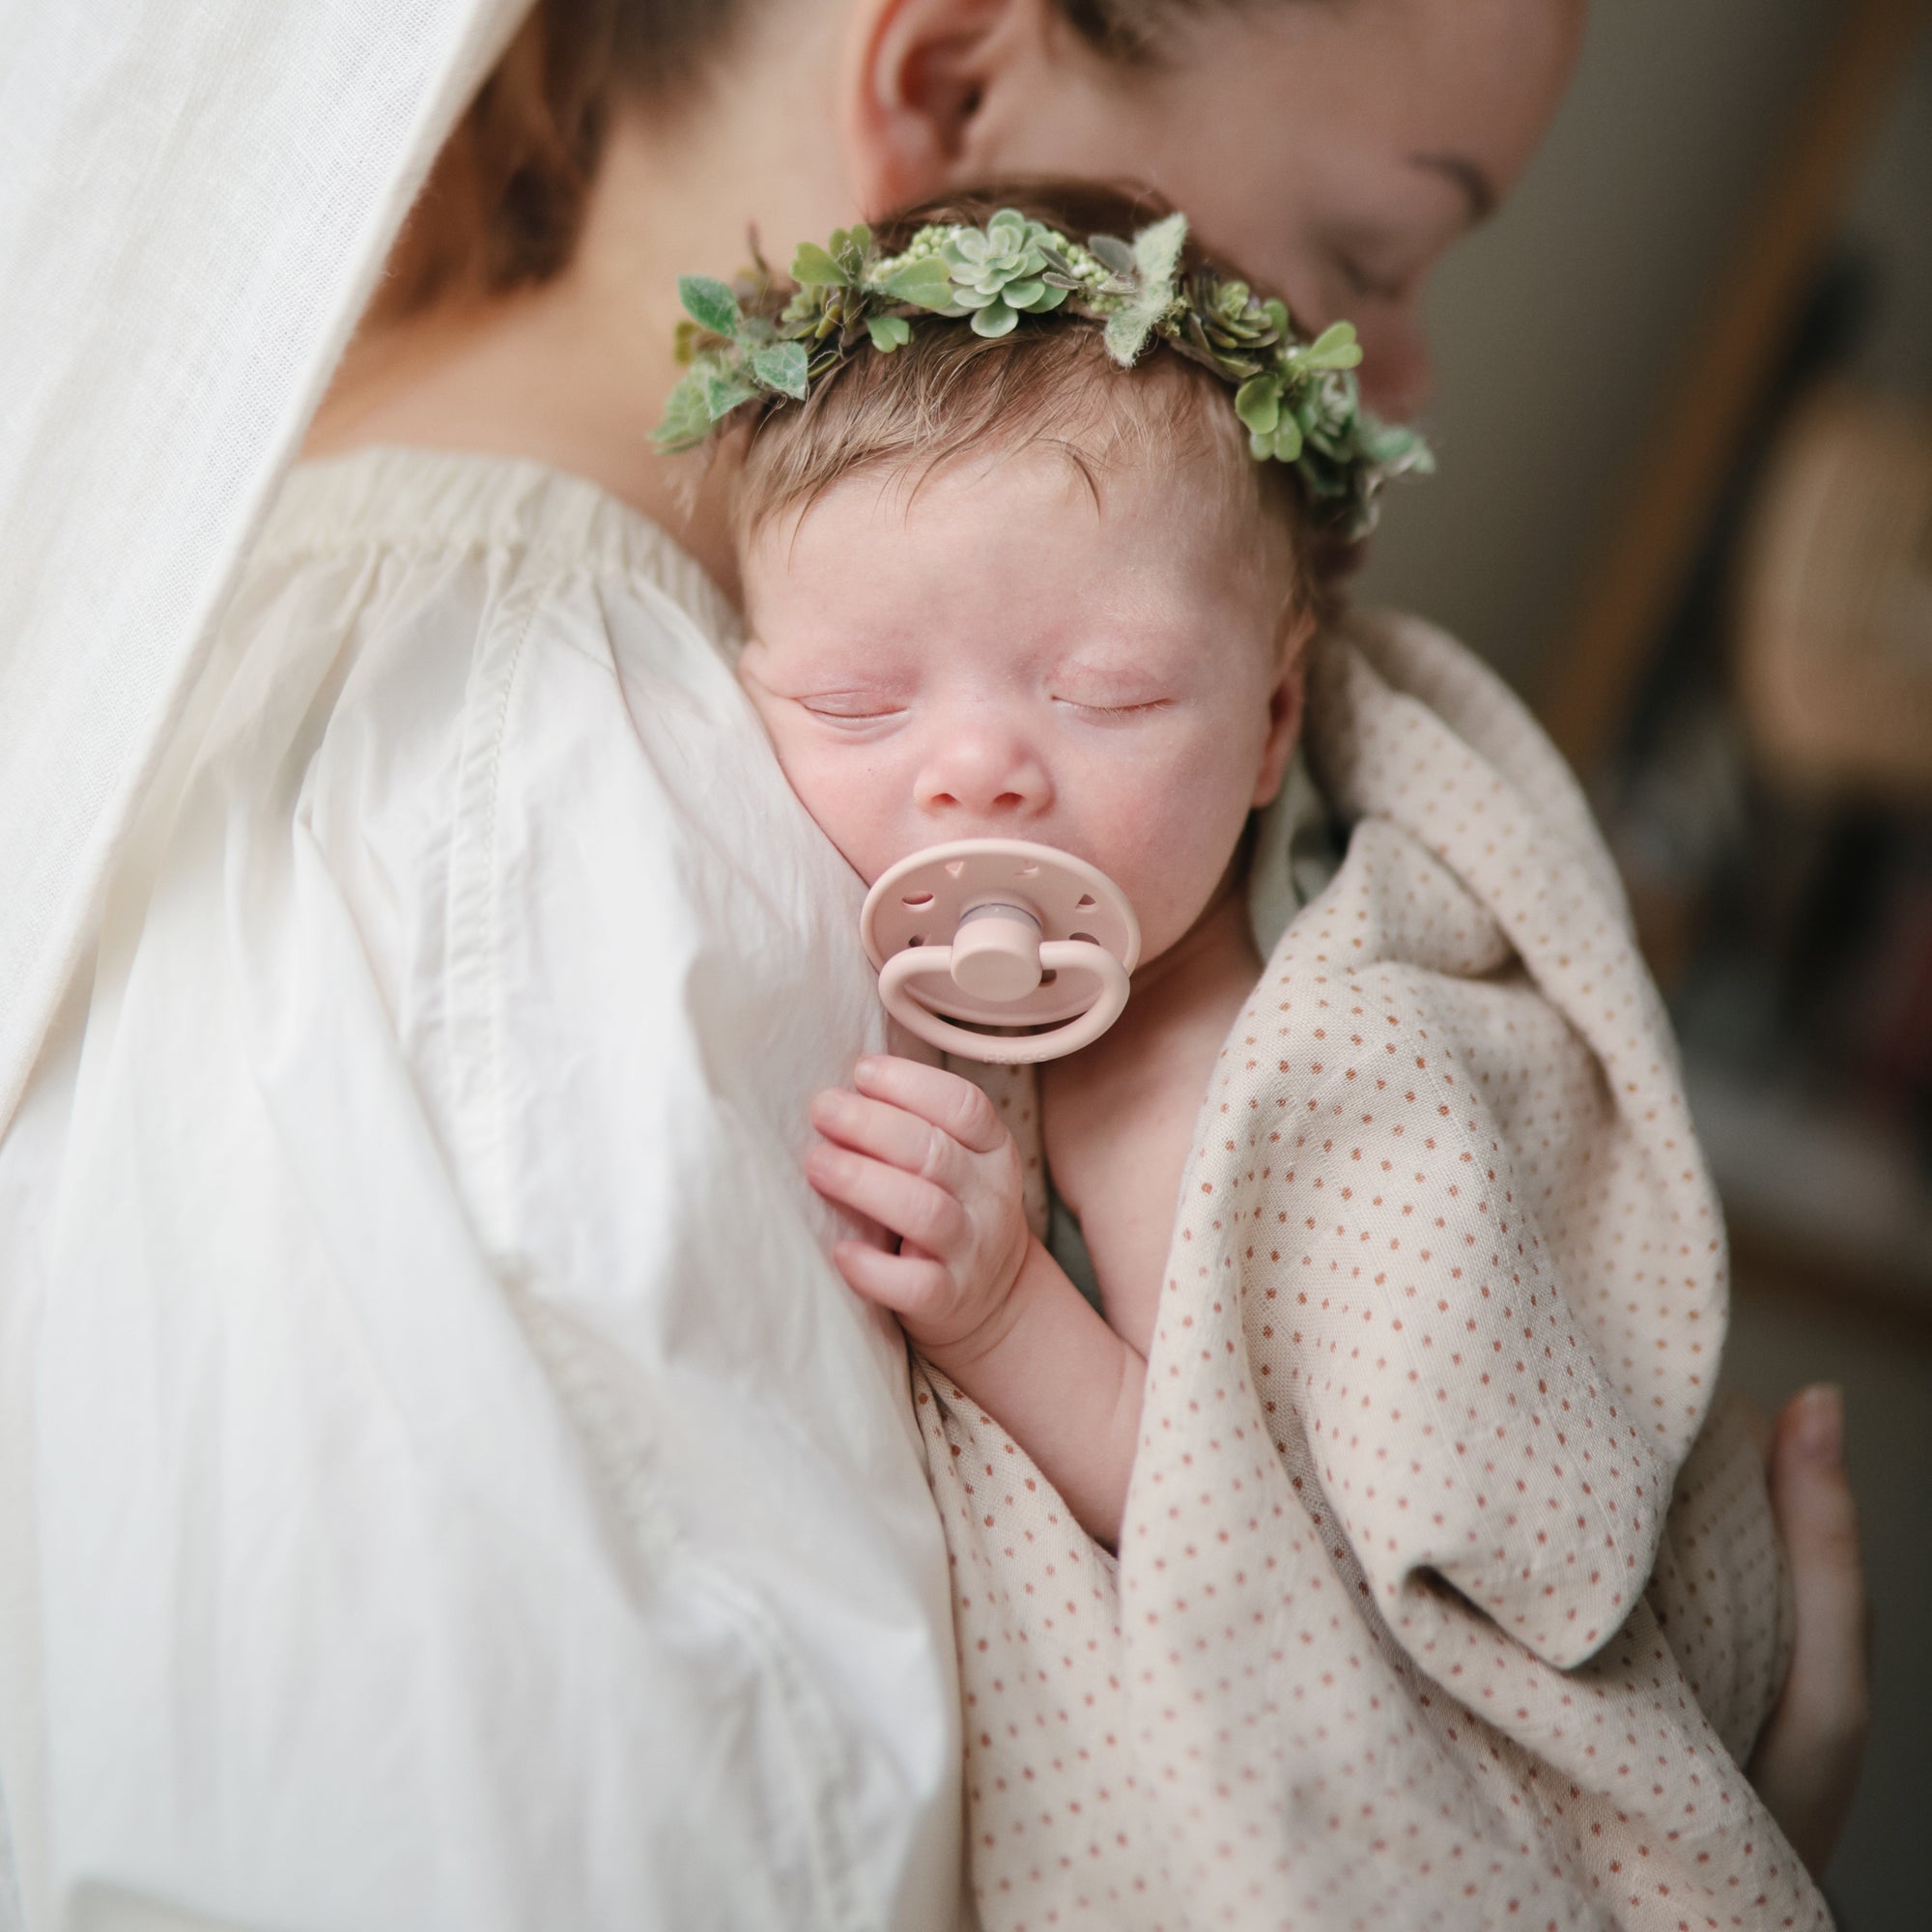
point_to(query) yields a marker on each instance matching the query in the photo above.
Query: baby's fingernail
(1821, 1424)
(869, 1067)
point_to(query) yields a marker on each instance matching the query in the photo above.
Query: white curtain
(195, 199)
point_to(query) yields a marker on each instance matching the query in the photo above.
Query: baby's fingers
(913, 1207)
(908, 1285)
(951, 1104)
(886, 1133)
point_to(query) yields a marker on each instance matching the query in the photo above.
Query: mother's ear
(1285, 702)
(918, 77)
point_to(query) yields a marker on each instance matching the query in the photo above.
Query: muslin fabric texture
(442, 1481)
(1440, 1601)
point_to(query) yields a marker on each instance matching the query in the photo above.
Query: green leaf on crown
(1257, 403)
(888, 332)
(724, 391)
(1335, 347)
(782, 366)
(1156, 260)
(849, 248)
(709, 303)
(1283, 442)
(687, 419)
(811, 268)
(926, 282)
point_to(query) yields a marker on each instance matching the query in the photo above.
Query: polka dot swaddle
(1440, 1600)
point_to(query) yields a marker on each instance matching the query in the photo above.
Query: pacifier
(1000, 933)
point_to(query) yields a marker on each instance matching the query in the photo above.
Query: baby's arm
(923, 1154)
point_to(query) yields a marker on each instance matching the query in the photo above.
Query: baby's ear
(1285, 700)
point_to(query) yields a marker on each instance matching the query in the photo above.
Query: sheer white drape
(195, 198)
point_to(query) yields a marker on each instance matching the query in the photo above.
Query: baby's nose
(984, 773)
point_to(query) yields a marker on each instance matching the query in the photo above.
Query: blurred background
(1684, 414)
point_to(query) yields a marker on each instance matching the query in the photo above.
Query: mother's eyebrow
(1477, 188)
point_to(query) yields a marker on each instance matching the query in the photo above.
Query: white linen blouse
(442, 1482)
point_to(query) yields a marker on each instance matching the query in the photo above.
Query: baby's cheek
(1182, 826)
(814, 785)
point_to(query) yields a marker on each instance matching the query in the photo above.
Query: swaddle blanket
(1406, 1627)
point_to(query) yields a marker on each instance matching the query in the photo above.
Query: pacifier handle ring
(1056, 955)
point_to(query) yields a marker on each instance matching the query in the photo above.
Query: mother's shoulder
(428, 505)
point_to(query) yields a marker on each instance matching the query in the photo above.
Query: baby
(1091, 634)
(1437, 1313)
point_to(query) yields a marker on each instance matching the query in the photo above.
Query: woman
(475, 916)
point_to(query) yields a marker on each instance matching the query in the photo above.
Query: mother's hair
(504, 201)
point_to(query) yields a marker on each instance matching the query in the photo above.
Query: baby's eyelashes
(1115, 688)
(793, 685)
(1126, 708)
(851, 707)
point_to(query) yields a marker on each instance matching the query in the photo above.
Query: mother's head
(1336, 146)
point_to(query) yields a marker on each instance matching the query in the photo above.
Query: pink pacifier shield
(997, 932)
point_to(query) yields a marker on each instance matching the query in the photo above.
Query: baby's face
(1006, 658)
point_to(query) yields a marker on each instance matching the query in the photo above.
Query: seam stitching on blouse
(476, 1036)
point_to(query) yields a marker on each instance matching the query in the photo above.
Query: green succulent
(1228, 329)
(1001, 271)
(821, 310)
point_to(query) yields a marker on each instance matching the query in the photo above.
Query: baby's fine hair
(949, 393)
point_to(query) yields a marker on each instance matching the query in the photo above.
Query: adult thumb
(1807, 1763)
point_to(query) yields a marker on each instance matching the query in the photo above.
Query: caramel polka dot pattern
(1434, 1607)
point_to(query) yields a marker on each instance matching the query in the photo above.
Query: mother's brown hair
(506, 198)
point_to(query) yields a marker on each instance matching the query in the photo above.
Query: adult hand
(1806, 1766)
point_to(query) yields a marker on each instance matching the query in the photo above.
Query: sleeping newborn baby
(1396, 1555)
(1098, 648)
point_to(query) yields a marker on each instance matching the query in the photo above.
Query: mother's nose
(984, 772)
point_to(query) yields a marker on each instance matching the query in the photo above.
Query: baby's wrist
(993, 1332)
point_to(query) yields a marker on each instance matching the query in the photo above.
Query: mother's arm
(1806, 1764)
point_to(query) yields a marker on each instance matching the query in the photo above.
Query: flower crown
(767, 343)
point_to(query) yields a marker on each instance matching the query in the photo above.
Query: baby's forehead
(1021, 559)
(1027, 517)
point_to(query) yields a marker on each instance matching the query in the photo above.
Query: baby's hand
(923, 1154)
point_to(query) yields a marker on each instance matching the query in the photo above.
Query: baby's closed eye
(851, 707)
(1110, 693)
(1124, 689)
(1117, 708)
